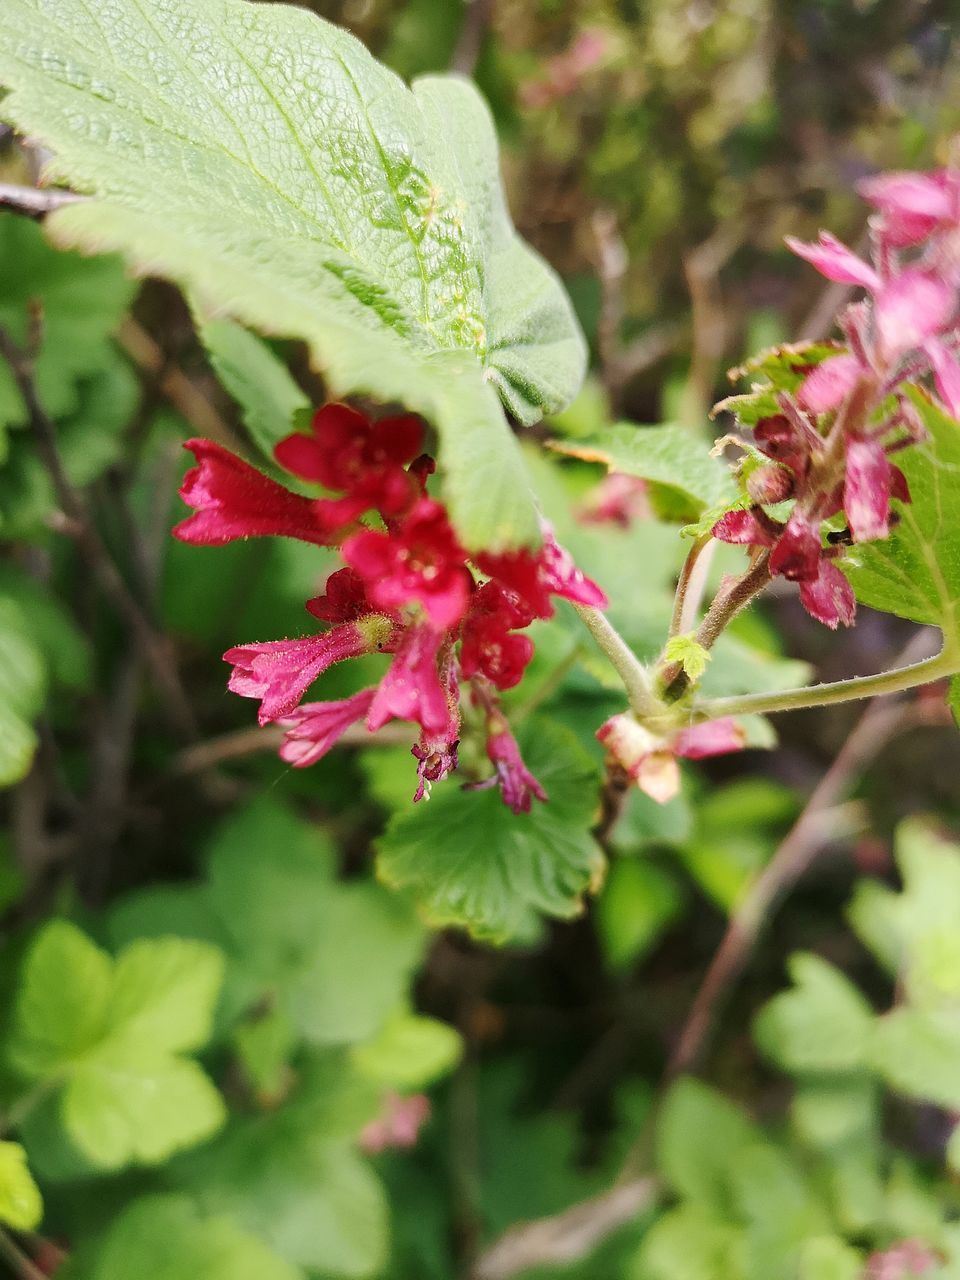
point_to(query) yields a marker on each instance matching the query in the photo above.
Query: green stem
(635, 677)
(945, 663)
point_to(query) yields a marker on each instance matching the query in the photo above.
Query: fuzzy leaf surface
(265, 161)
(470, 861)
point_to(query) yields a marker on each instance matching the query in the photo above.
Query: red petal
(835, 261)
(866, 491)
(829, 597)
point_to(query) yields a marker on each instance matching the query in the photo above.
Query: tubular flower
(650, 759)
(835, 436)
(408, 589)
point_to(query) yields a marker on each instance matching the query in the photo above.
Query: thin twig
(185, 396)
(247, 742)
(567, 1236)
(24, 1268)
(34, 202)
(878, 723)
(92, 547)
(476, 20)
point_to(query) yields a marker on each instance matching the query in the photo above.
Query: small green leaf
(62, 1001)
(671, 456)
(700, 1136)
(409, 1052)
(914, 933)
(829, 1258)
(828, 1112)
(125, 1104)
(822, 1025)
(109, 1032)
(165, 1238)
(385, 242)
(691, 656)
(915, 572)
(259, 382)
(693, 1242)
(918, 1053)
(470, 861)
(21, 1205)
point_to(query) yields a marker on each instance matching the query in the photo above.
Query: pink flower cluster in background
(409, 589)
(830, 447)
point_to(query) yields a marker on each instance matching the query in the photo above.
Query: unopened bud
(770, 484)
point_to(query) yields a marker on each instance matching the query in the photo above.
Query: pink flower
(518, 786)
(835, 261)
(946, 374)
(419, 561)
(345, 599)
(412, 689)
(911, 205)
(535, 576)
(317, 726)
(829, 597)
(905, 1260)
(279, 672)
(912, 306)
(436, 752)
(618, 499)
(796, 555)
(234, 500)
(866, 491)
(347, 452)
(827, 386)
(488, 645)
(650, 760)
(398, 1125)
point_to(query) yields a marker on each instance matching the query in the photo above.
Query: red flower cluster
(830, 447)
(409, 590)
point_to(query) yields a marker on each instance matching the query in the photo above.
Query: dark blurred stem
(568, 1236)
(23, 1267)
(806, 838)
(92, 547)
(476, 20)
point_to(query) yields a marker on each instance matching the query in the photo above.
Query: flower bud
(769, 484)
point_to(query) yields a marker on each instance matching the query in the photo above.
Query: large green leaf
(472, 862)
(264, 160)
(165, 1238)
(822, 1025)
(915, 573)
(111, 1033)
(303, 938)
(296, 1178)
(671, 456)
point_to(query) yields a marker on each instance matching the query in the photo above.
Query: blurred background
(655, 152)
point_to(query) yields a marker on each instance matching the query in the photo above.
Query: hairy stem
(692, 579)
(945, 663)
(635, 677)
